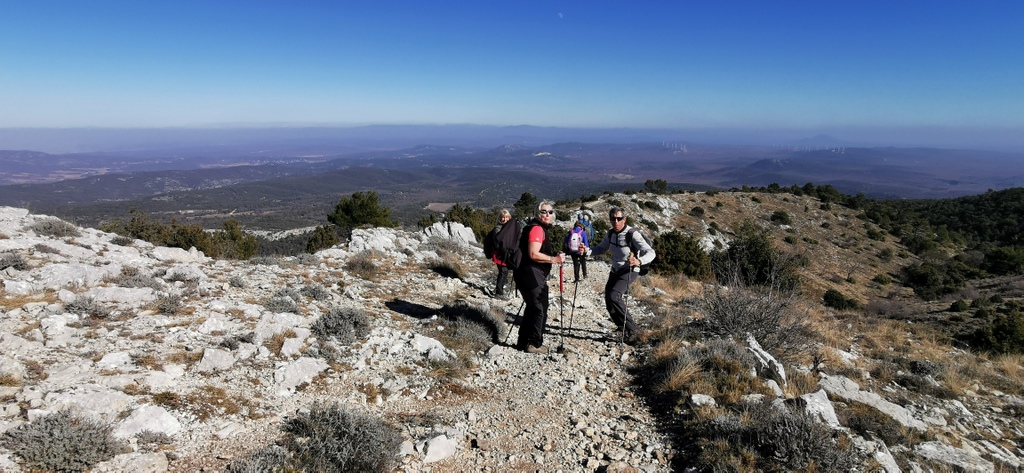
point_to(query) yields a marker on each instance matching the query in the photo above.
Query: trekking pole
(572, 313)
(625, 304)
(561, 306)
(514, 322)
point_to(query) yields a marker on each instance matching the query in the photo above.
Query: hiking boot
(538, 350)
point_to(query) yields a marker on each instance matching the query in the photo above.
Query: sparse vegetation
(363, 264)
(345, 325)
(13, 259)
(63, 441)
(56, 228)
(334, 438)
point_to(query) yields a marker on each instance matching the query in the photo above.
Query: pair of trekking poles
(572, 313)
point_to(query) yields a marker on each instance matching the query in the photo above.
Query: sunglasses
(546, 212)
(618, 219)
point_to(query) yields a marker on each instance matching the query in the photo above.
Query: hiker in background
(497, 243)
(576, 242)
(585, 220)
(625, 267)
(532, 277)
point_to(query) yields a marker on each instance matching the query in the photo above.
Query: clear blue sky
(679, 64)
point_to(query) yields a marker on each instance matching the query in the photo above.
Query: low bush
(41, 248)
(12, 259)
(271, 458)
(363, 264)
(130, 276)
(170, 304)
(334, 438)
(280, 304)
(121, 240)
(87, 306)
(56, 228)
(470, 327)
(765, 437)
(959, 305)
(447, 267)
(346, 325)
(63, 441)
(765, 313)
(838, 301)
(781, 217)
(316, 292)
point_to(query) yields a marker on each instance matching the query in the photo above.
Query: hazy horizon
(904, 73)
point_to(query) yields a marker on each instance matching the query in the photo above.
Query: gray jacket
(617, 244)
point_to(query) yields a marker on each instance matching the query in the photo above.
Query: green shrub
(959, 305)
(55, 228)
(883, 279)
(826, 225)
(838, 301)
(322, 238)
(334, 438)
(1005, 335)
(63, 441)
(346, 325)
(752, 259)
(679, 253)
(781, 217)
(360, 209)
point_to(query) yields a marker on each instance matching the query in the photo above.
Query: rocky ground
(196, 362)
(78, 333)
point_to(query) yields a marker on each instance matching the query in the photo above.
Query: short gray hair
(547, 203)
(614, 210)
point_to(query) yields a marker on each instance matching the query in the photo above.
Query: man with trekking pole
(629, 250)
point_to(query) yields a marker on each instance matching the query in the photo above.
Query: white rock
(215, 359)
(297, 373)
(949, 455)
(176, 255)
(19, 288)
(155, 419)
(818, 405)
(702, 400)
(847, 389)
(769, 367)
(450, 231)
(92, 399)
(439, 448)
(121, 360)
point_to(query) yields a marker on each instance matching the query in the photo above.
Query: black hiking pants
(617, 285)
(533, 285)
(499, 285)
(578, 261)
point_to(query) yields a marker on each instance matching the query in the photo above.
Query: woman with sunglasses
(532, 277)
(625, 267)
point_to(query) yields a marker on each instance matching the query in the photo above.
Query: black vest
(545, 247)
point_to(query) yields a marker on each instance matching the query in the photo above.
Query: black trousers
(578, 261)
(499, 285)
(617, 285)
(533, 285)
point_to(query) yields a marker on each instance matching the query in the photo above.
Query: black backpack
(644, 268)
(511, 255)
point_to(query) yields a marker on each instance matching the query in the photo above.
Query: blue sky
(809, 65)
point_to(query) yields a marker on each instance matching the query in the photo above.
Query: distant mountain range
(239, 178)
